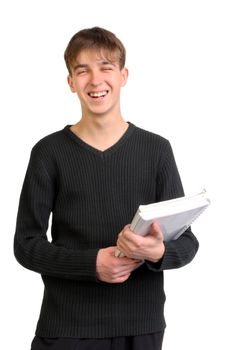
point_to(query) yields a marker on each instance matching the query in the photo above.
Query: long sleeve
(90, 196)
(31, 246)
(181, 251)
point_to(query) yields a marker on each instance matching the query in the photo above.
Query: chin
(100, 113)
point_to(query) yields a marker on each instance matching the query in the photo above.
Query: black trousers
(142, 342)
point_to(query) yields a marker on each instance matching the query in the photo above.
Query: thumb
(156, 231)
(111, 250)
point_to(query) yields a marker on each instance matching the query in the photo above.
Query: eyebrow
(102, 62)
(108, 62)
(80, 66)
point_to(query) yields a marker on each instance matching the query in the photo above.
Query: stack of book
(173, 216)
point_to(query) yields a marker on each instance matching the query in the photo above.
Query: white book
(173, 216)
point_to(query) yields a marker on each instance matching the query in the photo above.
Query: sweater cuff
(86, 264)
(177, 253)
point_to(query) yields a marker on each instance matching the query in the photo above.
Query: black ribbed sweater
(92, 195)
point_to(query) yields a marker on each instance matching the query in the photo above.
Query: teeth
(98, 94)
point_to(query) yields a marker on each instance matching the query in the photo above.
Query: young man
(92, 176)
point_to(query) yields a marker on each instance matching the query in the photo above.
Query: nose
(95, 78)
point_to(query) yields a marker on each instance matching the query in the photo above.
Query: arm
(31, 246)
(181, 251)
(161, 255)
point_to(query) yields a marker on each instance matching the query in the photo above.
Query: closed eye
(106, 69)
(80, 72)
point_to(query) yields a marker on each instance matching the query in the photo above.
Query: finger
(127, 234)
(121, 279)
(124, 261)
(127, 269)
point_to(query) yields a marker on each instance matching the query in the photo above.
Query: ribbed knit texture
(92, 195)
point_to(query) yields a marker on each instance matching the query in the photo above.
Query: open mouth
(98, 94)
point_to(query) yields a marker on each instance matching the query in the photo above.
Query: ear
(124, 75)
(70, 82)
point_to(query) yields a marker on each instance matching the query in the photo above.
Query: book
(173, 216)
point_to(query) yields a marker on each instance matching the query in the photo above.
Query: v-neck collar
(96, 151)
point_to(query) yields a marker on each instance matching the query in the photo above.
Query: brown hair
(95, 38)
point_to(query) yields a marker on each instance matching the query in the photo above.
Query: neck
(100, 133)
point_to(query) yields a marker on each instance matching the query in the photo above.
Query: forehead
(90, 56)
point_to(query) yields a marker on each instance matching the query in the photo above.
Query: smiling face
(97, 79)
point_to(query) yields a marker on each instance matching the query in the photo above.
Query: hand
(111, 269)
(149, 247)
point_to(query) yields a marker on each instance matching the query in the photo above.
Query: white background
(180, 58)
